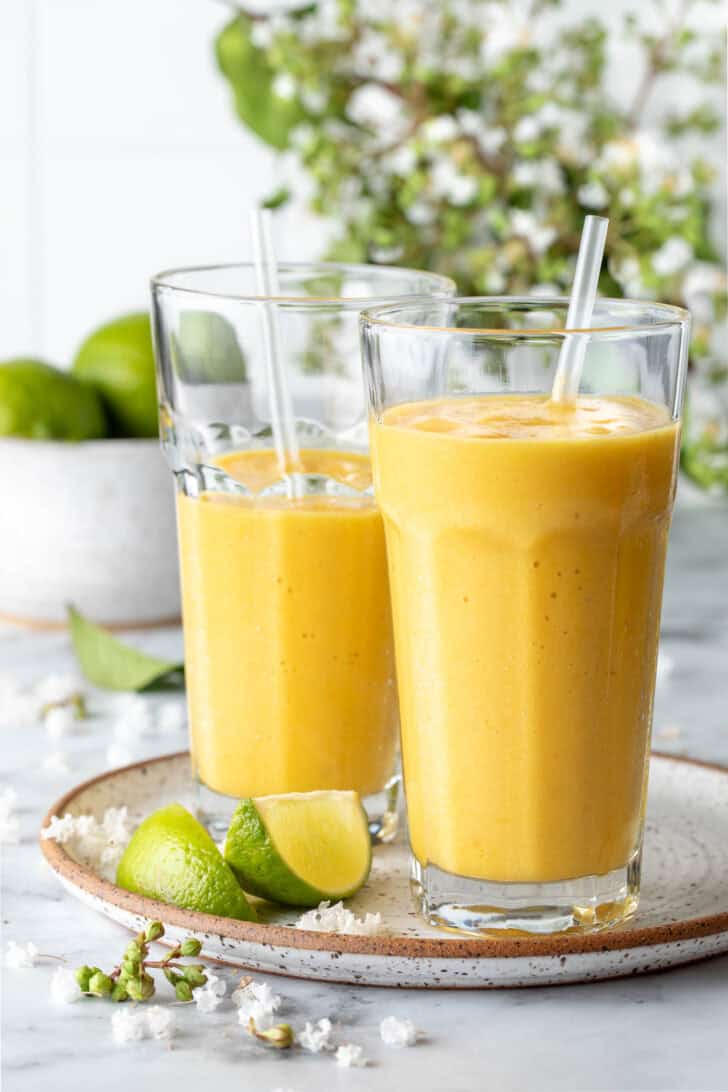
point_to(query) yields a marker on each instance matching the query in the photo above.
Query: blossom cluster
(472, 137)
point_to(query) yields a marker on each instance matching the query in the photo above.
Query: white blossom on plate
(21, 955)
(99, 845)
(338, 919)
(64, 987)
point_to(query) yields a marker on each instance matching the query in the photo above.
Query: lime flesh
(300, 848)
(171, 857)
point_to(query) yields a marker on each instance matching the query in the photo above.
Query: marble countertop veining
(657, 1032)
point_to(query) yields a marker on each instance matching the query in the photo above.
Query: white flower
(61, 720)
(495, 282)
(9, 822)
(541, 174)
(284, 86)
(55, 688)
(373, 56)
(593, 195)
(208, 997)
(617, 156)
(21, 955)
(350, 1054)
(313, 99)
(337, 919)
(440, 130)
(119, 755)
(373, 106)
(703, 279)
(505, 31)
(97, 845)
(402, 160)
(528, 128)
(419, 212)
(397, 1033)
(56, 763)
(134, 718)
(64, 987)
(316, 1037)
(301, 136)
(674, 254)
(448, 182)
(627, 197)
(128, 1024)
(172, 717)
(258, 1001)
(261, 34)
(539, 236)
(160, 1022)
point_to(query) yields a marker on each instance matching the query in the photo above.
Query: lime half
(300, 848)
(171, 857)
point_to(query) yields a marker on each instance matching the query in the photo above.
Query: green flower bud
(141, 988)
(83, 976)
(100, 984)
(155, 930)
(195, 975)
(172, 977)
(133, 950)
(183, 990)
(119, 992)
(131, 966)
(190, 947)
(280, 1036)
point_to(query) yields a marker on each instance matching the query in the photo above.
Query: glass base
(215, 810)
(479, 907)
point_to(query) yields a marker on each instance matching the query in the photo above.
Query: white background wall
(120, 155)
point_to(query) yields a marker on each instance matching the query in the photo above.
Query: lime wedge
(300, 848)
(171, 857)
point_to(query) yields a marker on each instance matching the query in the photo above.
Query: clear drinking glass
(288, 646)
(526, 544)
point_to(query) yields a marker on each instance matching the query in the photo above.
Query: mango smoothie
(526, 546)
(288, 640)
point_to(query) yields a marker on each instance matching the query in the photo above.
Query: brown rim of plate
(451, 947)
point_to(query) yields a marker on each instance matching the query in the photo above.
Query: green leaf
(276, 200)
(251, 77)
(112, 665)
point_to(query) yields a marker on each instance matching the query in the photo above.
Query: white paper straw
(281, 405)
(581, 307)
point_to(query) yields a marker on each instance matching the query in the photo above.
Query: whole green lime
(171, 857)
(40, 402)
(118, 360)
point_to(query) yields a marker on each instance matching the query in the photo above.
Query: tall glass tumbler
(287, 627)
(526, 543)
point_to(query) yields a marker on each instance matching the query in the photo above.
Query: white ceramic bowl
(91, 524)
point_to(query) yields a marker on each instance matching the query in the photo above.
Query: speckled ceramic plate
(683, 915)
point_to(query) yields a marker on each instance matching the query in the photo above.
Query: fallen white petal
(64, 987)
(350, 1054)
(128, 1024)
(21, 955)
(397, 1033)
(160, 1022)
(316, 1037)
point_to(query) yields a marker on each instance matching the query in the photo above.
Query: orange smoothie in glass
(526, 547)
(288, 642)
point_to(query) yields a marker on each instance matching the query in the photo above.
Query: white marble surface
(660, 1032)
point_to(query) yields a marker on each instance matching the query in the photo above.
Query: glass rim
(166, 280)
(675, 317)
